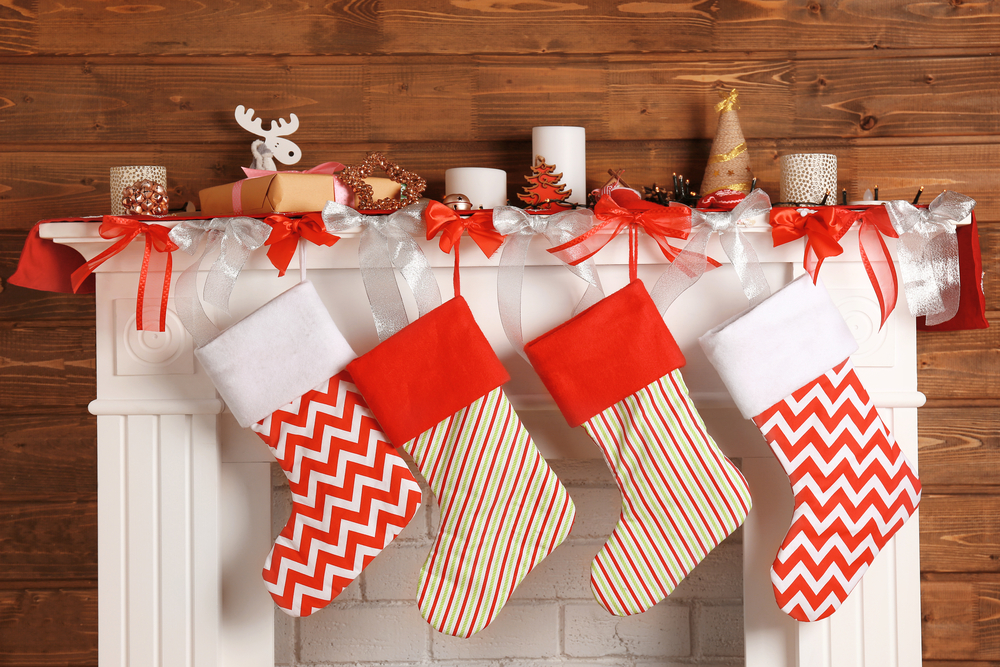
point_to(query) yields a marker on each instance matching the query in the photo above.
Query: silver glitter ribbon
(692, 262)
(520, 228)
(928, 253)
(387, 243)
(234, 239)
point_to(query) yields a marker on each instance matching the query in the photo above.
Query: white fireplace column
(184, 493)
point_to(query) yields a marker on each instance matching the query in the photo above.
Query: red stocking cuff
(428, 371)
(606, 353)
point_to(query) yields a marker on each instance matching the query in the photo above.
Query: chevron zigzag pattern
(352, 494)
(854, 488)
(680, 495)
(503, 510)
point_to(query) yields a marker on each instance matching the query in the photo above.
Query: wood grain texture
(959, 447)
(961, 618)
(960, 364)
(42, 367)
(48, 457)
(42, 628)
(45, 540)
(461, 27)
(495, 98)
(959, 533)
(48, 184)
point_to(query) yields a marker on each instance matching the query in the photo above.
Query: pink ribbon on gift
(340, 191)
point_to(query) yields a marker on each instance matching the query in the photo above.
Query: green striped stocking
(680, 495)
(435, 388)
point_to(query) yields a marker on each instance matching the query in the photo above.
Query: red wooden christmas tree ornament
(545, 193)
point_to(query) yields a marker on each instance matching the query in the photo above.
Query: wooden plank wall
(904, 93)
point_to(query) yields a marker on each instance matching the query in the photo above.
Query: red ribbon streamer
(125, 230)
(285, 235)
(451, 225)
(878, 263)
(623, 208)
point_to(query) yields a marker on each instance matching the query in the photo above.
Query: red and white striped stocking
(787, 364)
(435, 387)
(615, 369)
(281, 371)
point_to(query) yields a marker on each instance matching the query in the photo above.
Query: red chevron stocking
(283, 368)
(435, 387)
(786, 363)
(615, 369)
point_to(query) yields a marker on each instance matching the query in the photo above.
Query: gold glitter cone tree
(729, 165)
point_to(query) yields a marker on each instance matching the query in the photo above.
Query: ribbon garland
(875, 256)
(624, 209)
(147, 311)
(520, 228)
(285, 235)
(928, 253)
(451, 225)
(693, 261)
(387, 242)
(234, 239)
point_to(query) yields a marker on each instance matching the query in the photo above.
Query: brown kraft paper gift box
(283, 193)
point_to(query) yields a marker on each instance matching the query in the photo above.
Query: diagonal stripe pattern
(853, 486)
(502, 511)
(352, 494)
(680, 495)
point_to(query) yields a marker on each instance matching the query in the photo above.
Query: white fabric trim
(767, 352)
(274, 355)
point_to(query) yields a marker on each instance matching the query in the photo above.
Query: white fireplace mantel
(184, 493)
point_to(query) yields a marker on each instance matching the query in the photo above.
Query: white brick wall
(552, 618)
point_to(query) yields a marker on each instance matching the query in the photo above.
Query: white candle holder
(807, 177)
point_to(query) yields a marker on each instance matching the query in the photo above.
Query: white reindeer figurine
(273, 146)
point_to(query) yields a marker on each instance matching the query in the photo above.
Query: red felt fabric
(47, 266)
(972, 302)
(606, 353)
(428, 371)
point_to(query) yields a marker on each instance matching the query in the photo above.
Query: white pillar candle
(566, 148)
(485, 188)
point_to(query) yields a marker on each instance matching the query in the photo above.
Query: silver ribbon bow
(928, 253)
(387, 242)
(235, 239)
(519, 228)
(692, 262)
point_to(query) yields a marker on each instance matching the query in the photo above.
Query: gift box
(284, 192)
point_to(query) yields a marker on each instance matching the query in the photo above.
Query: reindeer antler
(284, 127)
(246, 120)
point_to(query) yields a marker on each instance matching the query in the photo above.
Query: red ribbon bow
(624, 208)
(822, 228)
(157, 238)
(285, 235)
(451, 225)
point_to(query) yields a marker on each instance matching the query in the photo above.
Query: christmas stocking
(281, 372)
(615, 368)
(786, 363)
(435, 387)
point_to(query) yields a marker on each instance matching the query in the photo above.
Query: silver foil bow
(692, 262)
(519, 228)
(928, 253)
(234, 239)
(387, 242)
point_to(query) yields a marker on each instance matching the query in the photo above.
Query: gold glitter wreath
(355, 175)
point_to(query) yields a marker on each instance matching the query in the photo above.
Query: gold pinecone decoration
(145, 197)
